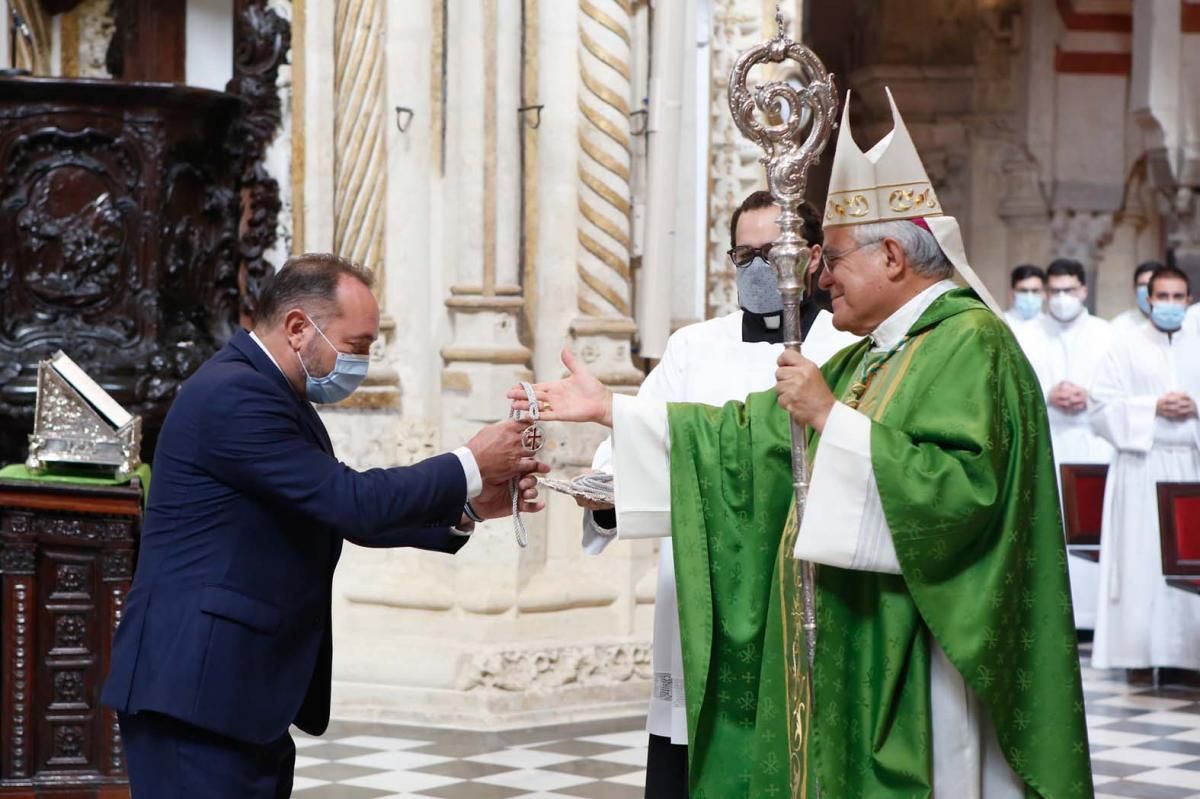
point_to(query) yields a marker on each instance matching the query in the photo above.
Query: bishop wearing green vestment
(946, 660)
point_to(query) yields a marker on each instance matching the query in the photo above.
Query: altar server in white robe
(1129, 320)
(1026, 296)
(1065, 348)
(1146, 393)
(713, 362)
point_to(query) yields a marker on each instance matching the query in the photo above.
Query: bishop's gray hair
(918, 244)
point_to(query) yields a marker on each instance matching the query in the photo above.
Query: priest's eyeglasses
(742, 255)
(829, 261)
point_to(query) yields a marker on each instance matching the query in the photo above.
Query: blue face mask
(1027, 306)
(347, 374)
(1143, 299)
(1168, 316)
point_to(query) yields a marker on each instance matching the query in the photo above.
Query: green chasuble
(961, 455)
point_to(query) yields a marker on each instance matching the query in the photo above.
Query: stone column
(360, 173)
(481, 225)
(604, 329)
(485, 355)
(33, 39)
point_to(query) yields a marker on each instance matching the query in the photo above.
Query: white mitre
(889, 183)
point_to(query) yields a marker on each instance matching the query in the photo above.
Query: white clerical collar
(894, 328)
(263, 347)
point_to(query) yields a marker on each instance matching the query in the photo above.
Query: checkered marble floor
(1145, 743)
(599, 760)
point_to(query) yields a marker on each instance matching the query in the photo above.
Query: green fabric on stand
(960, 450)
(18, 471)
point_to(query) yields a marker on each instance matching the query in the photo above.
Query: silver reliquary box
(77, 423)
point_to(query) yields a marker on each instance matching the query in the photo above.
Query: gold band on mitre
(882, 204)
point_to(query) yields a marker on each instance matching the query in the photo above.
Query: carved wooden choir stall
(135, 218)
(67, 557)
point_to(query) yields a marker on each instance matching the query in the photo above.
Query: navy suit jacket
(227, 625)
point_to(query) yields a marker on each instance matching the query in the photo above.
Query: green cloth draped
(18, 471)
(961, 456)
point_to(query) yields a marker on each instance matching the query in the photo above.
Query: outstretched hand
(580, 397)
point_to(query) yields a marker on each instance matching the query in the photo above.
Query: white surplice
(708, 363)
(1126, 322)
(843, 526)
(1142, 622)
(1022, 327)
(1072, 351)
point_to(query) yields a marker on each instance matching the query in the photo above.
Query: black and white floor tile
(1145, 744)
(599, 760)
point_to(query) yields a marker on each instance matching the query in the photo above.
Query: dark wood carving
(149, 41)
(262, 42)
(118, 238)
(66, 563)
(59, 6)
(135, 220)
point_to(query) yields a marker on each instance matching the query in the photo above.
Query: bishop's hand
(579, 397)
(802, 390)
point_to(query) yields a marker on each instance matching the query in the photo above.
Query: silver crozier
(790, 119)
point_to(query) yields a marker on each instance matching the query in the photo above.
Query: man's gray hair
(918, 244)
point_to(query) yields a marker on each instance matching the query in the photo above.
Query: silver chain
(532, 440)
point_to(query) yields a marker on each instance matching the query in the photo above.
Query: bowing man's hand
(802, 390)
(580, 397)
(495, 502)
(498, 451)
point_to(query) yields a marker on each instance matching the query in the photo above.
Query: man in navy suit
(226, 637)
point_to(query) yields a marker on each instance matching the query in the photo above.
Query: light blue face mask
(1143, 299)
(1168, 316)
(344, 378)
(1027, 306)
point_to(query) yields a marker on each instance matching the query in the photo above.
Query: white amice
(1141, 621)
(843, 526)
(1071, 352)
(707, 362)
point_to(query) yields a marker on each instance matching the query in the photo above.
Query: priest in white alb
(945, 663)
(1065, 347)
(1146, 392)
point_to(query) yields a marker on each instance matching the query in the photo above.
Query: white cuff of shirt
(471, 470)
(641, 467)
